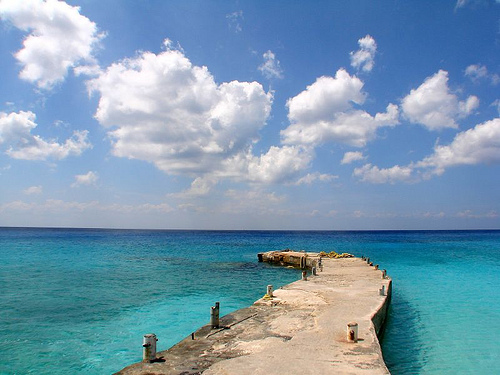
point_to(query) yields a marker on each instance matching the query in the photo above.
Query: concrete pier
(300, 330)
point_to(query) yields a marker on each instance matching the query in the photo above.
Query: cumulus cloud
(363, 59)
(271, 68)
(478, 72)
(326, 97)
(60, 39)
(277, 165)
(375, 175)
(434, 106)
(479, 145)
(33, 190)
(352, 156)
(90, 178)
(324, 112)
(15, 133)
(200, 186)
(162, 109)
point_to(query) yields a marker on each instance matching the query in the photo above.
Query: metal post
(214, 315)
(149, 347)
(270, 291)
(352, 332)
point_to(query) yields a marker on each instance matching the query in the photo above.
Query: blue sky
(250, 115)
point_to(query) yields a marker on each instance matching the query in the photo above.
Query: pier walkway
(301, 330)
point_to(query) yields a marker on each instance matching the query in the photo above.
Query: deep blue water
(78, 300)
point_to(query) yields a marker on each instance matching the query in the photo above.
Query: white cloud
(57, 205)
(363, 59)
(15, 133)
(472, 3)
(162, 109)
(271, 68)
(309, 178)
(469, 214)
(33, 190)
(324, 113)
(352, 156)
(93, 70)
(89, 178)
(200, 186)
(256, 201)
(496, 104)
(479, 145)
(434, 106)
(279, 164)
(325, 97)
(478, 72)
(60, 38)
(234, 21)
(375, 175)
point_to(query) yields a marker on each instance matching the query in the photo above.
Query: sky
(293, 115)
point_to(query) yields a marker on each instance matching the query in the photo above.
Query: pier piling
(149, 347)
(352, 332)
(214, 315)
(270, 291)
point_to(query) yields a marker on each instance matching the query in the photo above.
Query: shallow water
(79, 301)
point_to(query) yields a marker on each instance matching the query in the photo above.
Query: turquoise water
(79, 301)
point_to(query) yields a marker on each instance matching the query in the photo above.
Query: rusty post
(352, 332)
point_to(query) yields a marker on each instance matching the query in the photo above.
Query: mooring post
(384, 274)
(149, 347)
(270, 291)
(382, 290)
(352, 332)
(214, 315)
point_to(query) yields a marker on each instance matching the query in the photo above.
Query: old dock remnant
(297, 329)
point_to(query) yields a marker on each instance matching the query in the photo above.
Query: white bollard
(382, 290)
(352, 332)
(214, 315)
(149, 347)
(270, 291)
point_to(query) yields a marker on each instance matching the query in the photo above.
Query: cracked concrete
(302, 330)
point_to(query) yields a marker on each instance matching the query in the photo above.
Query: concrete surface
(302, 330)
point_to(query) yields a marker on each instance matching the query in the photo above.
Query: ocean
(78, 301)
